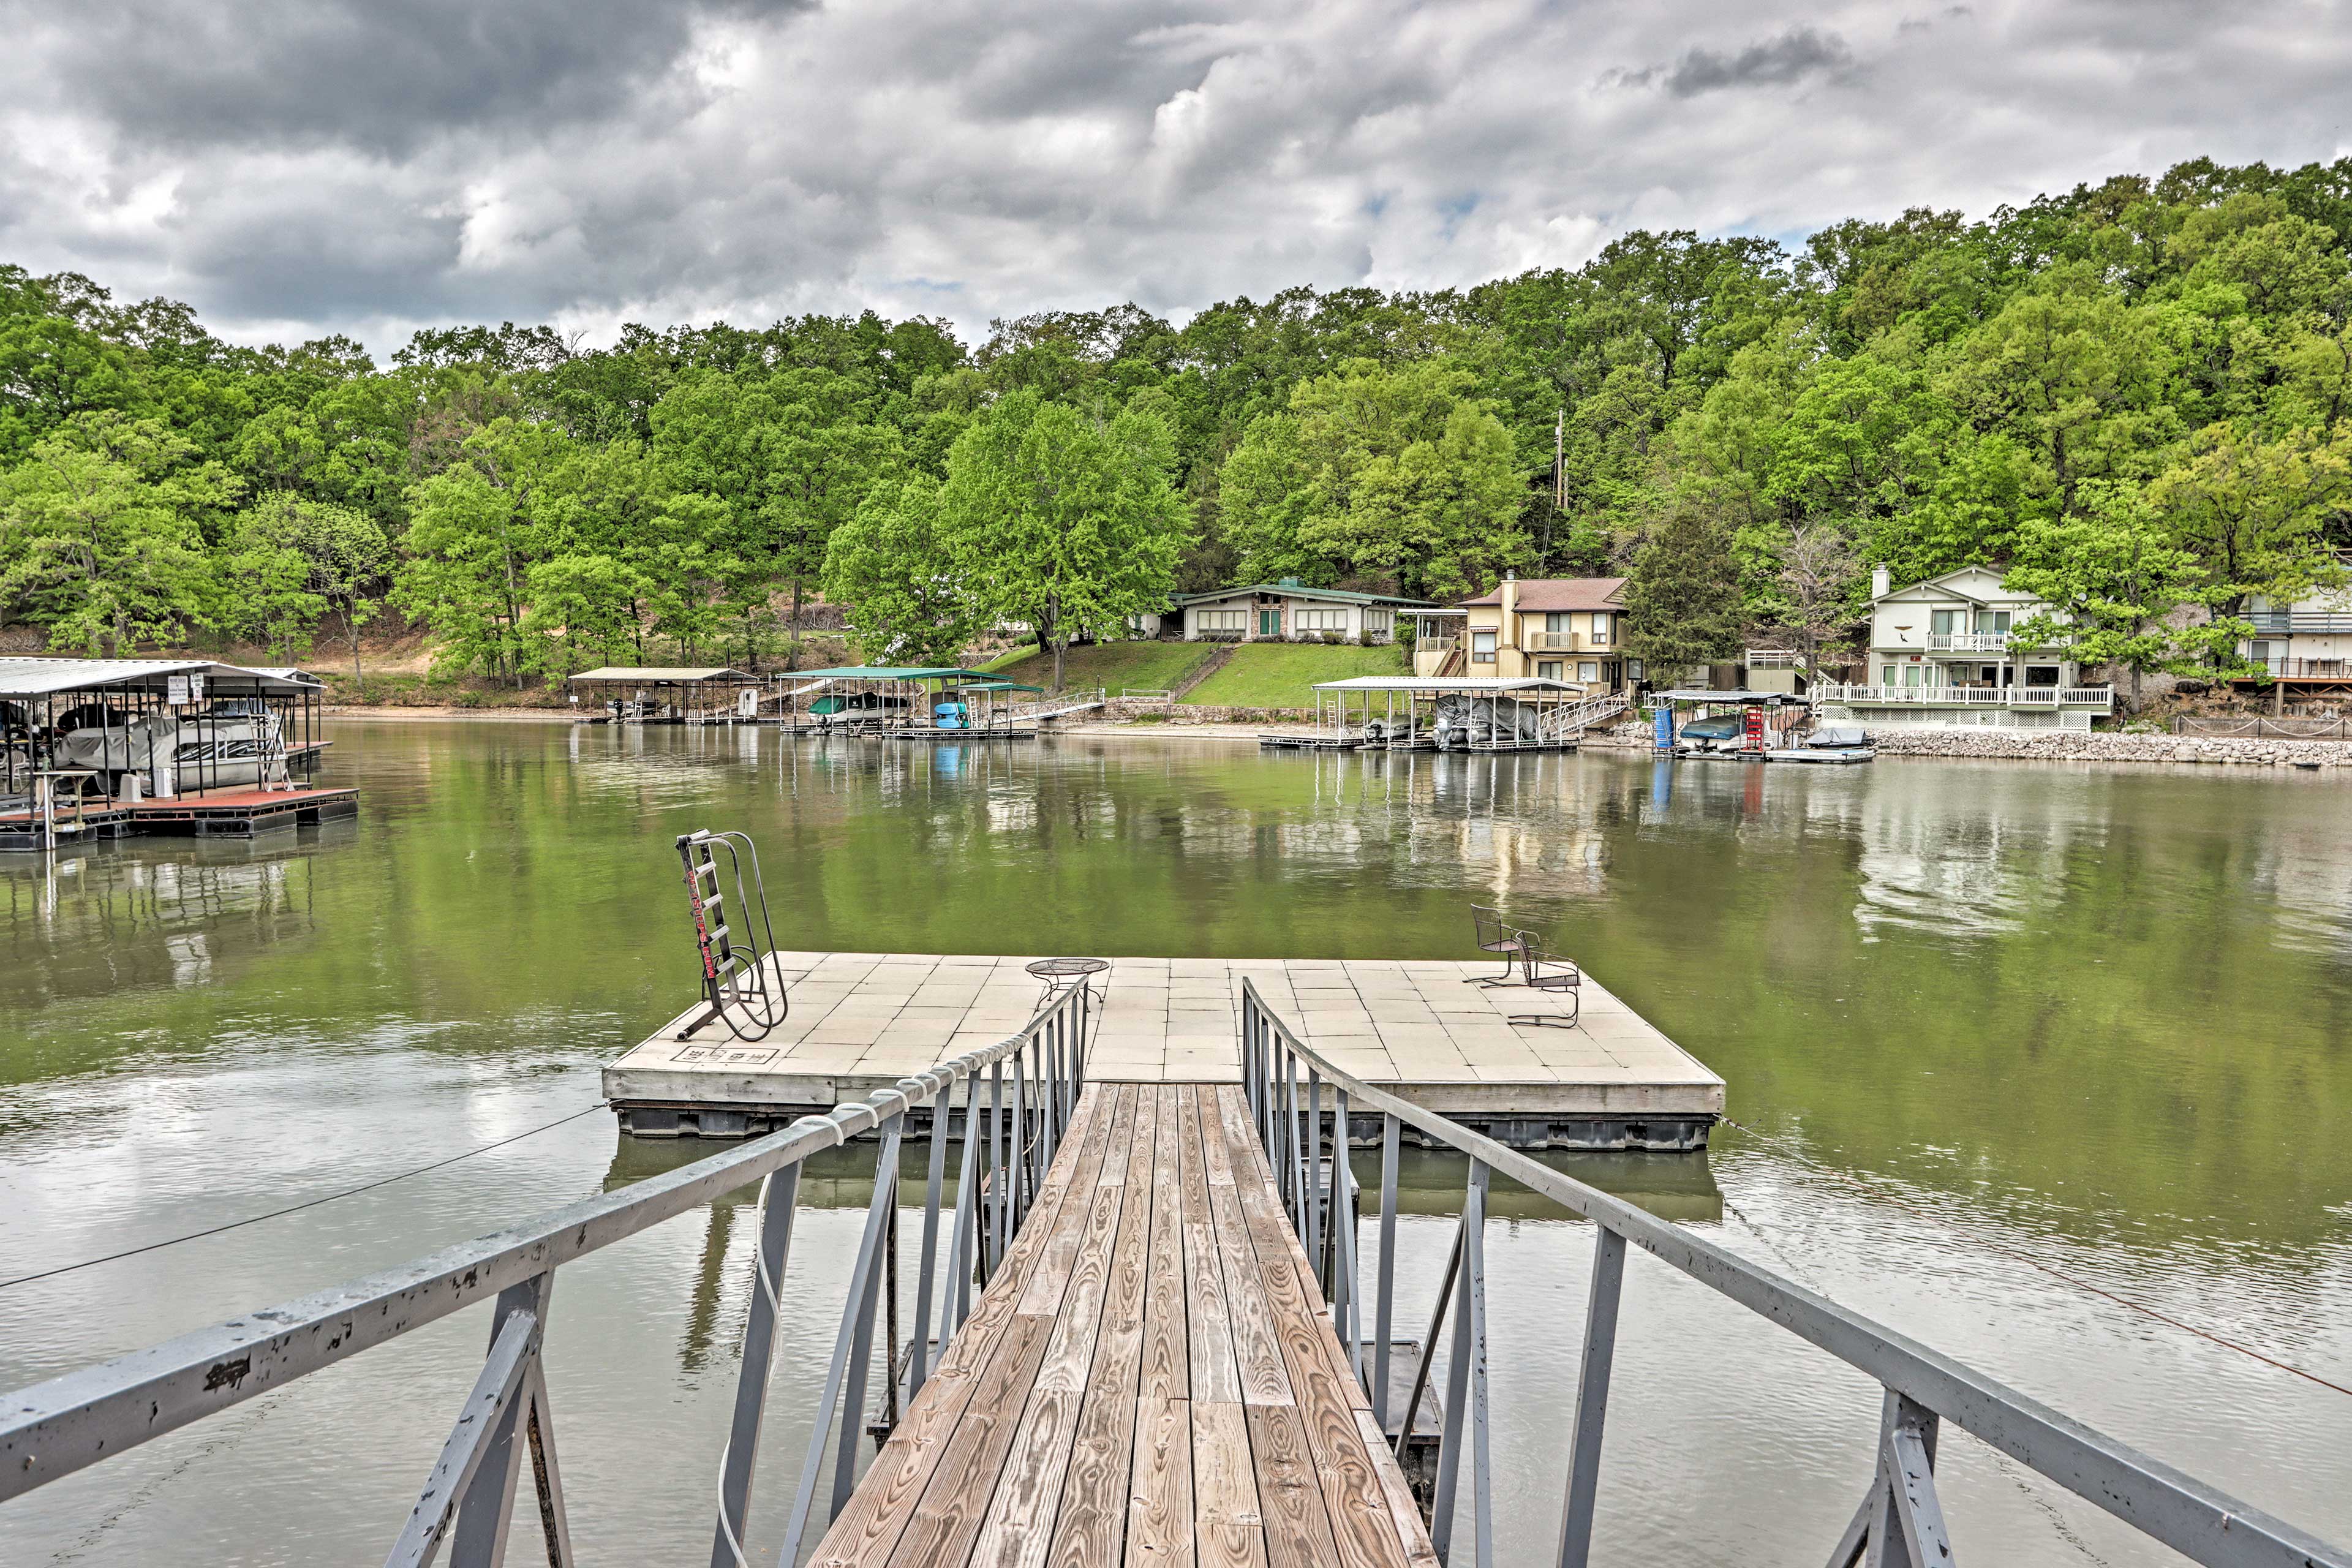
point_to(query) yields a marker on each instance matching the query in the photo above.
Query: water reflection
(2094, 1017)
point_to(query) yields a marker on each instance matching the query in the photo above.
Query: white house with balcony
(1948, 651)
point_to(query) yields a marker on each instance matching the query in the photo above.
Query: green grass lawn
(1283, 675)
(1134, 665)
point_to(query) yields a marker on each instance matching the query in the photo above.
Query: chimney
(1881, 584)
(1510, 627)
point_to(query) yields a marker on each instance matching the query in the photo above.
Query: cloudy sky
(299, 166)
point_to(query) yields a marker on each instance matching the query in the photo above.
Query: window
(1378, 623)
(1995, 621)
(1943, 623)
(1911, 673)
(1221, 620)
(1588, 669)
(2041, 675)
(1557, 621)
(1319, 620)
(1482, 647)
(1633, 669)
(1548, 669)
(1886, 676)
(1601, 619)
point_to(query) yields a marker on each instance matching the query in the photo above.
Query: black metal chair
(1546, 971)
(1495, 937)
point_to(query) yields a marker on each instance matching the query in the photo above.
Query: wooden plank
(954, 1497)
(1256, 1353)
(1403, 1509)
(1166, 1374)
(1227, 1530)
(1119, 1146)
(1160, 1496)
(1092, 1528)
(993, 1342)
(1216, 1378)
(1019, 1526)
(1089, 1144)
(1282, 1260)
(1365, 1533)
(1298, 1529)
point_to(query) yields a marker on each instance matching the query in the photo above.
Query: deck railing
(1303, 1104)
(1019, 1094)
(2098, 697)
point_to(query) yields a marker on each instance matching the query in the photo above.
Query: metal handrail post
(1429, 1339)
(487, 1506)
(853, 1307)
(996, 1166)
(1384, 1290)
(1346, 1320)
(1465, 1388)
(1311, 1191)
(861, 1348)
(919, 1347)
(1016, 1168)
(779, 1200)
(955, 1301)
(1592, 1398)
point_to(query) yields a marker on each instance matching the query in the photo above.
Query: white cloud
(297, 166)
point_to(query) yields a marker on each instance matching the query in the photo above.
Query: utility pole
(1559, 461)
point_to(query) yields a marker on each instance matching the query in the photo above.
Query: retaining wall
(2061, 746)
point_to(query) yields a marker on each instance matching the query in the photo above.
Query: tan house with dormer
(1557, 628)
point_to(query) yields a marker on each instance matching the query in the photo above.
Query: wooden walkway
(1150, 1378)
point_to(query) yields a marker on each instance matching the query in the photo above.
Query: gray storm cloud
(299, 166)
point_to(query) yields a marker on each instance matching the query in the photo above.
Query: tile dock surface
(860, 1021)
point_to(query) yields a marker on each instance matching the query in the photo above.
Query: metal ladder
(735, 966)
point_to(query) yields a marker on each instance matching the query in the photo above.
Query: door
(1269, 623)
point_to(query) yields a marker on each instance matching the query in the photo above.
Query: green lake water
(1978, 1021)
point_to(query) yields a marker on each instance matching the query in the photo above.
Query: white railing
(2099, 697)
(1968, 642)
(1774, 658)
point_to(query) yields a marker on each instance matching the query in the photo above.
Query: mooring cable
(296, 1208)
(1876, 1195)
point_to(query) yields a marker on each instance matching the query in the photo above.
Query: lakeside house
(1551, 628)
(2305, 647)
(1286, 611)
(1948, 651)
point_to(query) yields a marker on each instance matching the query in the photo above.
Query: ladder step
(716, 933)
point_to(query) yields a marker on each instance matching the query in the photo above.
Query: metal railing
(2299, 623)
(2305, 668)
(1019, 1095)
(1302, 1105)
(1975, 642)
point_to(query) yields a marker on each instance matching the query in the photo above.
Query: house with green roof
(1286, 611)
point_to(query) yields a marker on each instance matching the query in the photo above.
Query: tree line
(2131, 397)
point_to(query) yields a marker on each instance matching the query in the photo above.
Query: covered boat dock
(668, 694)
(1451, 713)
(103, 748)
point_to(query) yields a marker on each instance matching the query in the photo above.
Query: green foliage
(1060, 520)
(885, 563)
(2135, 390)
(1398, 476)
(1682, 604)
(102, 543)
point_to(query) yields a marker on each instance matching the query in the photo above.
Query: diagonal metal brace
(503, 1375)
(1900, 1523)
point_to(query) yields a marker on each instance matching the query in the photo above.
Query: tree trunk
(351, 624)
(792, 650)
(1058, 665)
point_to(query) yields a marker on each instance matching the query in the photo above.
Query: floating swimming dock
(859, 1022)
